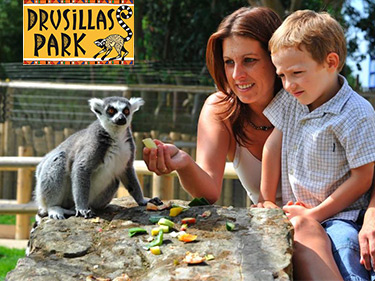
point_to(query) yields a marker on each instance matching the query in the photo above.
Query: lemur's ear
(136, 103)
(96, 106)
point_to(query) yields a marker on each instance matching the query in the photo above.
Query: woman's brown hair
(258, 23)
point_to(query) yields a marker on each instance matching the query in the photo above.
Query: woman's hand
(164, 159)
(366, 240)
(266, 204)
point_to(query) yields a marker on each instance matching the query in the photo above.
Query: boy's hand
(266, 204)
(298, 209)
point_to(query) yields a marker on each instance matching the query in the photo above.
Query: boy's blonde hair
(319, 33)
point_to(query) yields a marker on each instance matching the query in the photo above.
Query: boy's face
(310, 82)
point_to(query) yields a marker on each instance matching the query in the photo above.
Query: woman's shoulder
(216, 97)
(213, 112)
(216, 103)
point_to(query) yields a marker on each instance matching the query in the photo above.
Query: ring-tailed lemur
(83, 173)
(115, 40)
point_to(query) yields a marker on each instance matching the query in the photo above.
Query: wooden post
(68, 132)
(59, 137)
(50, 137)
(40, 142)
(19, 137)
(193, 151)
(9, 149)
(162, 187)
(227, 193)
(28, 135)
(138, 145)
(122, 191)
(24, 182)
(154, 134)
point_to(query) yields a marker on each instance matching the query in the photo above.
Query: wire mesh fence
(42, 105)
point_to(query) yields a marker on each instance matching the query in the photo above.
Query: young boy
(326, 134)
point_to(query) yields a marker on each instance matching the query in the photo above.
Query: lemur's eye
(111, 111)
(126, 111)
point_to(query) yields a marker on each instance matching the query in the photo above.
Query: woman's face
(248, 69)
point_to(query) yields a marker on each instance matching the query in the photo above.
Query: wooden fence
(29, 143)
(25, 165)
(43, 137)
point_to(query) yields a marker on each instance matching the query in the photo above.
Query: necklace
(262, 128)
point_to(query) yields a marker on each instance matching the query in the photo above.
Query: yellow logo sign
(78, 32)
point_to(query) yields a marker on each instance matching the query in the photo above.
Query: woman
(232, 125)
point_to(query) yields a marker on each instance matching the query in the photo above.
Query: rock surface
(259, 248)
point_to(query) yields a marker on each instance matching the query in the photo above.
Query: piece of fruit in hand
(149, 143)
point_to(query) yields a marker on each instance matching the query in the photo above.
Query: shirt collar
(335, 104)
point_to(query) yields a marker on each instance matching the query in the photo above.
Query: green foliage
(8, 260)
(361, 23)
(178, 30)
(11, 31)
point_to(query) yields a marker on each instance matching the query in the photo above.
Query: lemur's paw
(156, 201)
(56, 215)
(86, 213)
(142, 202)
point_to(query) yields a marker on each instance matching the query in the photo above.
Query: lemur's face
(115, 112)
(118, 112)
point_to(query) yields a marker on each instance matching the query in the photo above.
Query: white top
(248, 169)
(320, 147)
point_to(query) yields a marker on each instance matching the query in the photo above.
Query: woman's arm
(202, 178)
(366, 236)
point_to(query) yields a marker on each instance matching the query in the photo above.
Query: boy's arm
(354, 187)
(271, 169)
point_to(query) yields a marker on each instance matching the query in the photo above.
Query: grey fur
(83, 173)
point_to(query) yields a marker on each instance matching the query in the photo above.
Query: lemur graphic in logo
(115, 40)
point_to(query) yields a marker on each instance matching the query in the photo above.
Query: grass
(8, 260)
(11, 219)
(9, 257)
(8, 219)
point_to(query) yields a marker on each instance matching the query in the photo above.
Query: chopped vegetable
(175, 211)
(164, 221)
(193, 258)
(230, 226)
(152, 207)
(156, 242)
(156, 230)
(186, 237)
(199, 202)
(136, 230)
(178, 205)
(164, 228)
(209, 257)
(188, 221)
(184, 227)
(155, 250)
(95, 220)
(206, 214)
(175, 234)
(149, 143)
(155, 219)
